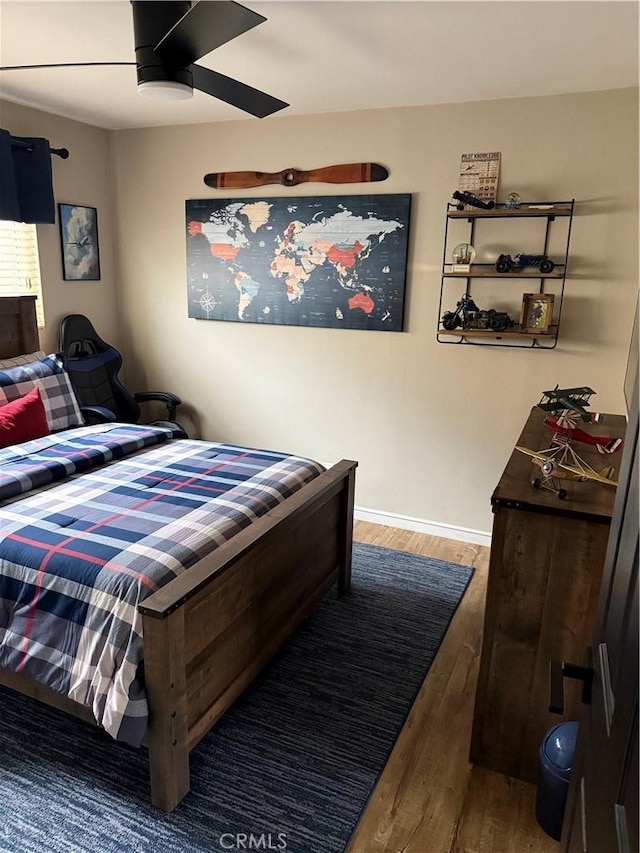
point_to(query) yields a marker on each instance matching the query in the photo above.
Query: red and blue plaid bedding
(76, 559)
(35, 463)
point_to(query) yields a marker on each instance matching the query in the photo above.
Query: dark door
(602, 806)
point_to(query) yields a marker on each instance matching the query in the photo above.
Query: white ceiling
(328, 55)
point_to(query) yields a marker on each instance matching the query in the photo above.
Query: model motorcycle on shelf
(506, 263)
(468, 316)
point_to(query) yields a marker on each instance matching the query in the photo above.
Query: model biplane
(572, 399)
(560, 461)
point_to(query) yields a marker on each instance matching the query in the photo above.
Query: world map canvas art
(332, 261)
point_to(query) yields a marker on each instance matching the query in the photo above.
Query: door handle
(558, 671)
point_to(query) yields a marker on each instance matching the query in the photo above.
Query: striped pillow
(49, 376)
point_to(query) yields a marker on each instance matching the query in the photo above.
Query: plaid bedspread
(76, 559)
(35, 463)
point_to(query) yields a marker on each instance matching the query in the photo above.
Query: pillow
(23, 419)
(7, 363)
(49, 376)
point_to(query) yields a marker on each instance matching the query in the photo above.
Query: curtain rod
(22, 143)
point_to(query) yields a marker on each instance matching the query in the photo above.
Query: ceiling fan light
(165, 90)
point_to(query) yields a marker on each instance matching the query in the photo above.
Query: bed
(208, 631)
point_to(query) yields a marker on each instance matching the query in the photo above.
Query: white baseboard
(404, 522)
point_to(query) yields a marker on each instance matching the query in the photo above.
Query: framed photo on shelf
(79, 242)
(537, 312)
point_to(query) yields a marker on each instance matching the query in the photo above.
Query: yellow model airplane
(561, 462)
(604, 476)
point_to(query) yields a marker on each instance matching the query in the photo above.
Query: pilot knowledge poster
(479, 174)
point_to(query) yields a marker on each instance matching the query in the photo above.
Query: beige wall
(431, 425)
(85, 178)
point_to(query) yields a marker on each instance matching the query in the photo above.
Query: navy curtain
(26, 180)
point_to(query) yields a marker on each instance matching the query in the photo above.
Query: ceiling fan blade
(346, 173)
(60, 65)
(237, 94)
(207, 25)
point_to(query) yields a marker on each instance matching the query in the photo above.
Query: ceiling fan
(170, 35)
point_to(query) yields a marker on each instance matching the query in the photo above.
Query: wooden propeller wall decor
(346, 173)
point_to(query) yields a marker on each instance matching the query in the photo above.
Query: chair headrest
(81, 349)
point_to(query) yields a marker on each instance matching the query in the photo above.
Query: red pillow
(23, 419)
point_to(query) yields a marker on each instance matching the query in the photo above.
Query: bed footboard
(210, 631)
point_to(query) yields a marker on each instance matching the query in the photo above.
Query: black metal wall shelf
(526, 210)
(489, 271)
(515, 335)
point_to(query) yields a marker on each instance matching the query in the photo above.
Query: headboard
(18, 326)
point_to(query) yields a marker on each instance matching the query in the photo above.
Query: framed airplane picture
(79, 242)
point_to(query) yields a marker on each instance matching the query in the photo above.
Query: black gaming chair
(93, 366)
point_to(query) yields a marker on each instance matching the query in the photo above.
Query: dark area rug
(289, 767)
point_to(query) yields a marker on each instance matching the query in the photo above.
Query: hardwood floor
(429, 799)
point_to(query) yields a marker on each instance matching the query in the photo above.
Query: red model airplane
(602, 443)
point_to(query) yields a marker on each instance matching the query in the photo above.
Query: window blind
(19, 263)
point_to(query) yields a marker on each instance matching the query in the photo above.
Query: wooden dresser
(545, 571)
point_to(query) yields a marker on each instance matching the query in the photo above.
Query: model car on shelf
(507, 263)
(468, 316)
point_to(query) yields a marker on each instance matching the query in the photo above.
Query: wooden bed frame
(207, 633)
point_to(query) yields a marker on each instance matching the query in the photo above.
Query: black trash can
(557, 752)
